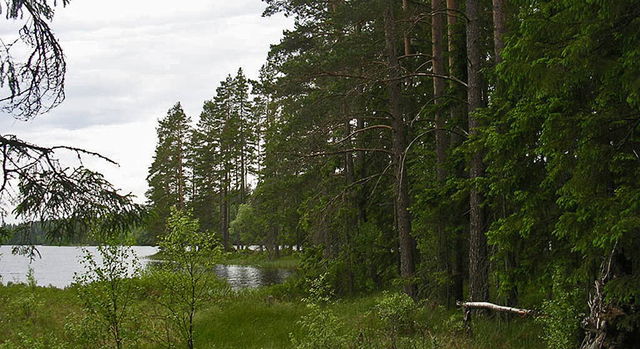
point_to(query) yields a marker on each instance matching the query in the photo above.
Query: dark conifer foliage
(459, 150)
(481, 150)
(168, 173)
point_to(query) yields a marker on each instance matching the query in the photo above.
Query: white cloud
(130, 61)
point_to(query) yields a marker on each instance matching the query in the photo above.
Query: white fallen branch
(494, 307)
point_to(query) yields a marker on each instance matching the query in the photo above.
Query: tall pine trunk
(478, 263)
(456, 118)
(439, 85)
(406, 38)
(224, 212)
(401, 191)
(498, 29)
(180, 173)
(351, 215)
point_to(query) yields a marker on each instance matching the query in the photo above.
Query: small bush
(321, 329)
(185, 283)
(107, 293)
(560, 315)
(397, 311)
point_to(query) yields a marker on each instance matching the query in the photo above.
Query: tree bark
(362, 171)
(439, 85)
(499, 28)
(401, 192)
(452, 20)
(351, 219)
(478, 263)
(180, 173)
(456, 118)
(224, 213)
(406, 39)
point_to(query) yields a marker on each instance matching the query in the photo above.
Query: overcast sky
(130, 61)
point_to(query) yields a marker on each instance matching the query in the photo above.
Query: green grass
(265, 318)
(38, 312)
(250, 320)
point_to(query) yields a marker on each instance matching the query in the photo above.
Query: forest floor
(267, 317)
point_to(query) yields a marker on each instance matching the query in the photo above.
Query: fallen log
(468, 306)
(494, 307)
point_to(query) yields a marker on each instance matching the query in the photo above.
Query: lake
(59, 263)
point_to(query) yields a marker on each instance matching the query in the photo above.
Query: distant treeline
(37, 234)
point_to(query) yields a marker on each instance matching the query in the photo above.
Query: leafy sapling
(107, 291)
(186, 281)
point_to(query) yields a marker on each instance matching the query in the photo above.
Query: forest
(476, 150)
(422, 156)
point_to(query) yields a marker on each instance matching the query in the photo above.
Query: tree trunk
(439, 85)
(456, 118)
(224, 214)
(401, 192)
(180, 174)
(362, 173)
(499, 29)
(351, 219)
(452, 21)
(406, 39)
(478, 263)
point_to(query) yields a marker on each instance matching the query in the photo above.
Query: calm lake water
(59, 263)
(245, 276)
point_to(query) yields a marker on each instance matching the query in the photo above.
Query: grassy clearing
(251, 319)
(263, 318)
(34, 313)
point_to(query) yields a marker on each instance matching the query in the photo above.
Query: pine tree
(168, 174)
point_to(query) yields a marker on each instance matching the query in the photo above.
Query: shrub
(107, 292)
(560, 315)
(186, 281)
(397, 312)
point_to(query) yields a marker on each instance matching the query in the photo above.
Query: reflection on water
(243, 276)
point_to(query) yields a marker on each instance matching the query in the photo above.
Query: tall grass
(264, 318)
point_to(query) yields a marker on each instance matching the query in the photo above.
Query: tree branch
(352, 150)
(363, 130)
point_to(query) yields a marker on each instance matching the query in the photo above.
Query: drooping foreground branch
(32, 67)
(64, 199)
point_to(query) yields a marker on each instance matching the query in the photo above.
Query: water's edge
(58, 264)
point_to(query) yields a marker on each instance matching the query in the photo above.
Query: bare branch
(348, 137)
(352, 150)
(431, 75)
(35, 84)
(12, 141)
